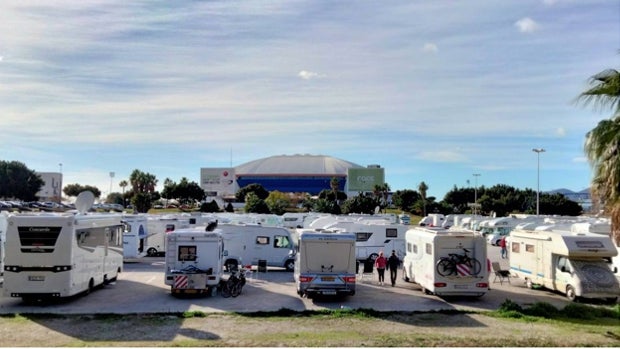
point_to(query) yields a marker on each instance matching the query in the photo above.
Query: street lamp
(111, 176)
(476, 175)
(60, 182)
(538, 151)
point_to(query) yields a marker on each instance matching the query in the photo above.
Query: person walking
(502, 244)
(380, 264)
(393, 263)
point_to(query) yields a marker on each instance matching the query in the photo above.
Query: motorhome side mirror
(563, 269)
(225, 253)
(615, 270)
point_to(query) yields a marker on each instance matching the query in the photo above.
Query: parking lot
(141, 289)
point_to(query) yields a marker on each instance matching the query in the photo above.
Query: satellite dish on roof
(84, 201)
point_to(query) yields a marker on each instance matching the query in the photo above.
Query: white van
(437, 260)
(325, 263)
(247, 244)
(134, 236)
(194, 259)
(576, 264)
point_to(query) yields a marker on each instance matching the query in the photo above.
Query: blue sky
(432, 91)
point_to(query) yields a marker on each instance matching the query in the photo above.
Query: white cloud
(430, 47)
(526, 25)
(307, 75)
(561, 131)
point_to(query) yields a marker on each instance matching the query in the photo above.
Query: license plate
(460, 287)
(36, 278)
(327, 278)
(331, 293)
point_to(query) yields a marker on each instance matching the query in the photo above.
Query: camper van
(158, 227)
(3, 226)
(52, 255)
(373, 236)
(247, 244)
(576, 264)
(325, 263)
(134, 236)
(194, 258)
(446, 262)
(294, 220)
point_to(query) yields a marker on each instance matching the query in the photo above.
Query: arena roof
(298, 164)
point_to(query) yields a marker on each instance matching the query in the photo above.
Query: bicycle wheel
(445, 267)
(236, 290)
(474, 266)
(224, 290)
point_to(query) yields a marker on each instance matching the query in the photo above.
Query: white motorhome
(325, 263)
(194, 260)
(134, 236)
(158, 227)
(428, 249)
(60, 255)
(372, 237)
(294, 220)
(3, 226)
(576, 264)
(247, 244)
(432, 220)
(494, 229)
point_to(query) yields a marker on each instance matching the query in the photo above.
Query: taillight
(349, 279)
(440, 284)
(482, 284)
(305, 278)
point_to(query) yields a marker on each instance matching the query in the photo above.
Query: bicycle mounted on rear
(235, 282)
(447, 266)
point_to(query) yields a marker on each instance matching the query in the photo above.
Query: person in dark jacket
(393, 263)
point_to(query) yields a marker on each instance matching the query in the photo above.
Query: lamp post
(476, 175)
(538, 151)
(60, 184)
(111, 176)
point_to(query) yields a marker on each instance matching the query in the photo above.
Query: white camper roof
(571, 244)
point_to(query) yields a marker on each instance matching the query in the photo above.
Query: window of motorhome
(415, 249)
(281, 241)
(563, 264)
(391, 233)
(192, 221)
(169, 227)
(262, 240)
(529, 248)
(187, 253)
(429, 248)
(515, 247)
(362, 236)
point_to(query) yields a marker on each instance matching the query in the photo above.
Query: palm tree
(333, 184)
(602, 144)
(123, 184)
(422, 188)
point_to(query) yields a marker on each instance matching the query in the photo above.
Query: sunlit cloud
(526, 25)
(430, 48)
(307, 75)
(560, 131)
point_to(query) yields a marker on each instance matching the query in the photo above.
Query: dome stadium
(299, 173)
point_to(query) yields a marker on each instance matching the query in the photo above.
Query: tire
(151, 252)
(445, 267)
(611, 300)
(236, 290)
(405, 277)
(529, 284)
(570, 293)
(475, 265)
(224, 290)
(289, 265)
(373, 257)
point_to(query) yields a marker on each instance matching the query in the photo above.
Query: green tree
(362, 203)
(210, 207)
(278, 202)
(255, 188)
(254, 204)
(326, 206)
(123, 184)
(18, 181)
(404, 199)
(422, 188)
(143, 187)
(75, 189)
(602, 144)
(328, 194)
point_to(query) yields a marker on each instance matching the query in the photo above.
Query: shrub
(542, 309)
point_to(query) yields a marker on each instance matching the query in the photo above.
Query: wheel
(611, 300)
(373, 257)
(151, 252)
(289, 265)
(529, 284)
(91, 286)
(405, 277)
(475, 266)
(570, 293)
(236, 289)
(445, 267)
(224, 290)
